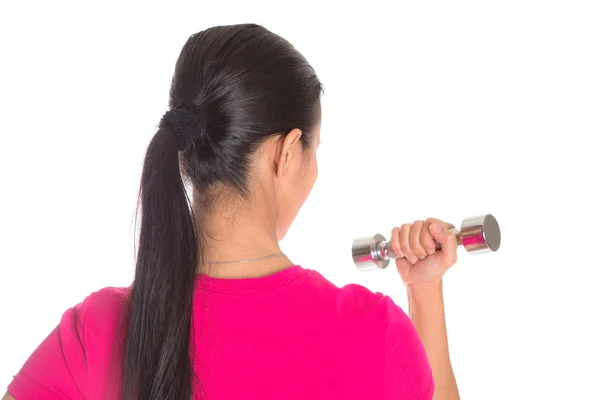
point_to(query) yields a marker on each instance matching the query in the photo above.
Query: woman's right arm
(7, 396)
(426, 310)
(422, 267)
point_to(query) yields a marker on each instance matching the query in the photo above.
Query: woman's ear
(286, 149)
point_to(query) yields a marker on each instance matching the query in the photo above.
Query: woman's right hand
(420, 263)
(422, 269)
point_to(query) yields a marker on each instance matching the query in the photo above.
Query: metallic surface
(480, 234)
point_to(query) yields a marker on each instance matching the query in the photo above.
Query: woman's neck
(238, 234)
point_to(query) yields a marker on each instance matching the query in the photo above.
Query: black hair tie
(188, 123)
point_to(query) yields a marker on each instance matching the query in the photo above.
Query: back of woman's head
(234, 87)
(250, 84)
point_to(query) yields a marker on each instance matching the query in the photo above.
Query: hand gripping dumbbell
(477, 235)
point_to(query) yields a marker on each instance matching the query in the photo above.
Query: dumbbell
(480, 234)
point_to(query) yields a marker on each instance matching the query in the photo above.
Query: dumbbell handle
(387, 252)
(477, 235)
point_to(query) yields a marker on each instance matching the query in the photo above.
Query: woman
(216, 310)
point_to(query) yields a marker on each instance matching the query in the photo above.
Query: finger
(414, 240)
(440, 222)
(426, 239)
(405, 245)
(395, 242)
(445, 237)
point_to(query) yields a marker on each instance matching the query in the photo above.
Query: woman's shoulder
(104, 308)
(107, 298)
(354, 300)
(76, 355)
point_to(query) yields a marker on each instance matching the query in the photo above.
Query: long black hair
(249, 84)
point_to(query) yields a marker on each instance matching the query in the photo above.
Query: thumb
(442, 235)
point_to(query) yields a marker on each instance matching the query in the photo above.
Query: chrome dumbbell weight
(477, 235)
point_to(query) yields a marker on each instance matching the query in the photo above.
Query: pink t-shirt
(290, 335)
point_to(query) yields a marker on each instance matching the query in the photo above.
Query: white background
(442, 109)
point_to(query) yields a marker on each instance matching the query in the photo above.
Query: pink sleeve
(407, 369)
(57, 368)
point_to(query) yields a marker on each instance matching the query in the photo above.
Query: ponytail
(157, 361)
(234, 87)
